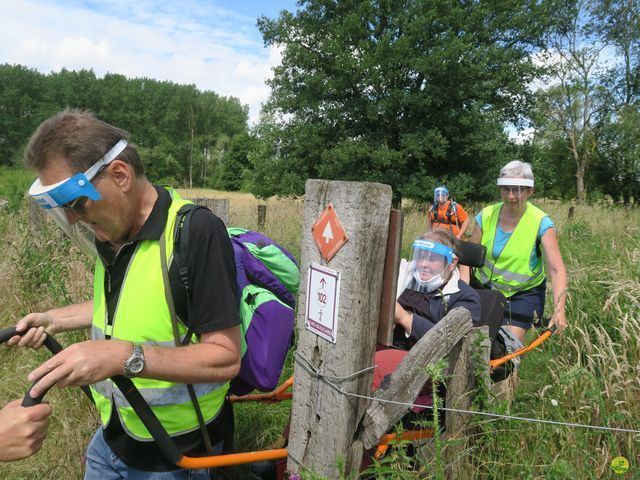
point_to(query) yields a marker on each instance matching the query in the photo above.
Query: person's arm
(558, 276)
(22, 430)
(215, 359)
(72, 317)
(414, 325)
(462, 215)
(465, 271)
(463, 228)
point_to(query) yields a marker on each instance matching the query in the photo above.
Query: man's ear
(122, 174)
(454, 262)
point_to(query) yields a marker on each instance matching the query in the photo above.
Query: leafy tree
(619, 150)
(405, 92)
(21, 91)
(575, 108)
(176, 127)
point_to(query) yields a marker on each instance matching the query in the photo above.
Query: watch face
(136, 365)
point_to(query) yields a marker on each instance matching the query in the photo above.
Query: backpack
(268, 278)
(452, 211)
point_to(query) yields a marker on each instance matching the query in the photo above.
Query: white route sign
(323, 300)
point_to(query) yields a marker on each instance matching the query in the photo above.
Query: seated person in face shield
(432, 288)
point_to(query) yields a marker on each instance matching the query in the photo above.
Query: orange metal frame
(281, 394)
(496, 362)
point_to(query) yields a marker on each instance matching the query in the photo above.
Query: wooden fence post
(219, 206)
(262, 216)
(323, 420)
(461, 385)
(390, 279)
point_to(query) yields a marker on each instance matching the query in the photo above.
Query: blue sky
(213, 44)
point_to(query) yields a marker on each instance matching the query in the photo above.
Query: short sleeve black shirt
(214, 306)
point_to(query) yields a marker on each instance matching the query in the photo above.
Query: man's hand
(36, 326)
(82, 363)
(22, 430)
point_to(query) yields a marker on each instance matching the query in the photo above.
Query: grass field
(592, 371)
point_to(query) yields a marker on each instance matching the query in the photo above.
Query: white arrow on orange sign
(327, 233)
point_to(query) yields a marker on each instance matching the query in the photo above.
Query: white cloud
(193, 42)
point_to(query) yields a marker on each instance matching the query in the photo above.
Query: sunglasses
(77, 205)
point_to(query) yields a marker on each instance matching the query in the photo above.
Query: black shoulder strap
(179, 273)
(180, 291)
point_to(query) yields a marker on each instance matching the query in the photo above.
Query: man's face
(100, 215)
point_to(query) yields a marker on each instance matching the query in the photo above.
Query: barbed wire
(325, 378)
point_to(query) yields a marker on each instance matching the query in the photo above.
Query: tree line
(411, 93)
(180, 131)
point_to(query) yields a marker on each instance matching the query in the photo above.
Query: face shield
(513, 190)
(426, 271)
(440, 194)
(71, 194)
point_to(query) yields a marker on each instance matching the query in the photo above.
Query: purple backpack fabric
(268, 278)
(266, 309)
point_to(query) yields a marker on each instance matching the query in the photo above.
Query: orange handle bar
(383, 446)
(496, 362)
(277, 395)
(231, 459)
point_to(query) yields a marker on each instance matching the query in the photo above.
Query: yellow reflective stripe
(509, 275)
(175, 394)
(177, 418)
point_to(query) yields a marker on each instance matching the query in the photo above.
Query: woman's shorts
(524, 307)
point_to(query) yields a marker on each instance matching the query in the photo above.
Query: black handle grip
(28, 400)
(54, 347)
(7, 333)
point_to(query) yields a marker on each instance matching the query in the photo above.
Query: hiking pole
(52, 345)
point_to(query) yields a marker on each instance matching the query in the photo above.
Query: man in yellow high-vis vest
(88, 172)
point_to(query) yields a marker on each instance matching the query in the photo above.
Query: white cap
(516, 182)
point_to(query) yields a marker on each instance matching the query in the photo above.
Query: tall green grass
(592, 370)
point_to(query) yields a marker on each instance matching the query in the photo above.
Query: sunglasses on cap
(73, 192)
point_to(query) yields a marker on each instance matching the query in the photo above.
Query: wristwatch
(135, 363)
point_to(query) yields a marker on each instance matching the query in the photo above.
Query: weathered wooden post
(219, 206)
(324, 420)
(461, 386)
(262, 215)
(390, 279)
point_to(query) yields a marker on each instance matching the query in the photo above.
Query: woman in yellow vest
(522, 249)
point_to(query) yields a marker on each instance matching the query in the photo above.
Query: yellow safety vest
(142, 315)
(511, 272)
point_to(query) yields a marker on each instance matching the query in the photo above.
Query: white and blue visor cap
(430, 251)
(79, 185)
(440, 194)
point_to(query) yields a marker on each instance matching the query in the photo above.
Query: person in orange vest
(446, 214)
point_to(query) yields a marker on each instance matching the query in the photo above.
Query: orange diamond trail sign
(328, 233)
